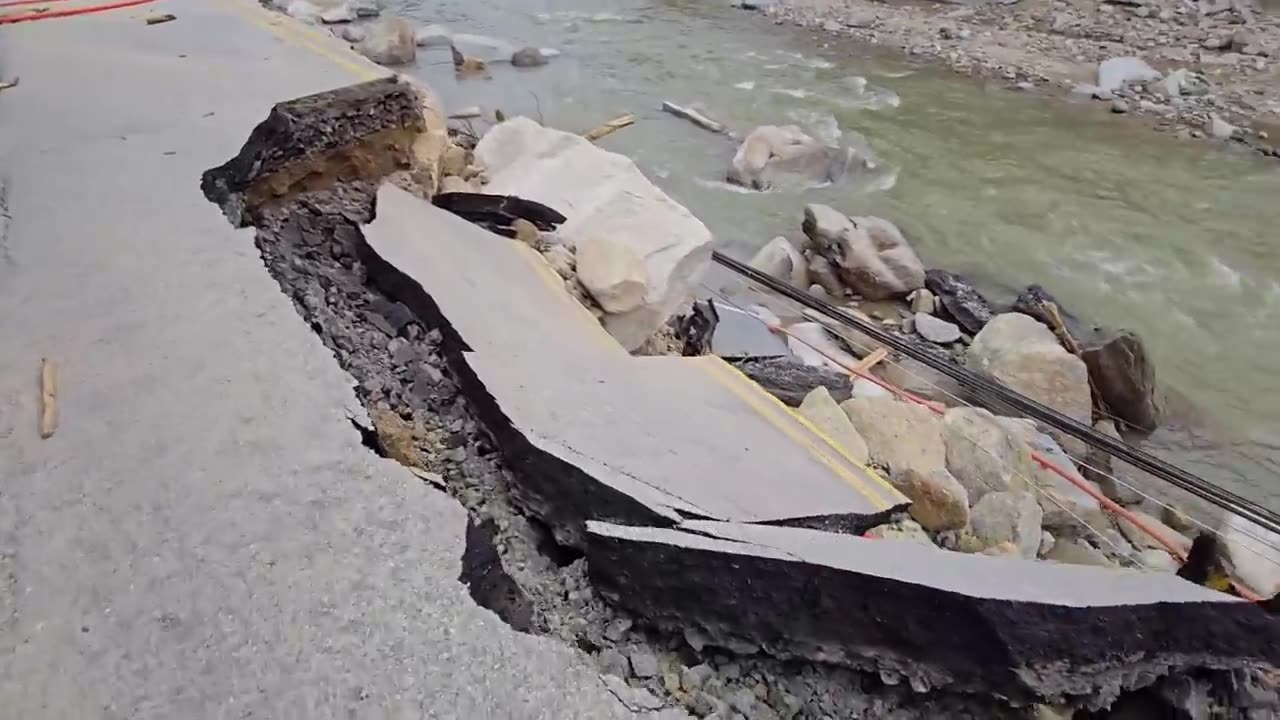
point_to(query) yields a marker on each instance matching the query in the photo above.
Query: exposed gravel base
(1229, 48)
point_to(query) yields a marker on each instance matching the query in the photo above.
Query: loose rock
(870, 254)
(389, 42)
(960, 299)
(820, 409)
(1077, 552)
(938, 501)
(1012, 517)
(528, 57)
(935, 330)
(1115, 73)
(782, 260)
(982, 454)
(1125, 378)
(900, 436)
(613, 273)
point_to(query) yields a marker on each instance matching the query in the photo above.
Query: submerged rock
(528, 57)
(432, 36)
(870, 254)
(1027, 357)
(389, 42)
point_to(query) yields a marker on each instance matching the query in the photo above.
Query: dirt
(1229, 47)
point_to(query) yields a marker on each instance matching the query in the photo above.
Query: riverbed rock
(1125, 379)
(1026, 356)
(605, 198)
(782, 260)
(613, 273)
(1012, 517)
(389, 41)
(432, 36)
(960, 299)
(900, 436)
(1252, 552)
(821, 409)
(1068, 507)
(528, 57)
(982, 454)
(870, 254)
(772, 150)
(813, 345)
(938, 501)
(936, 330)
(1115, 73)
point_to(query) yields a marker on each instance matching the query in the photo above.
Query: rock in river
(960, 299)
(1024, 355)
(900, 436)
(869, 253)
(936, 330)
(528, 57)
(771, 150)
(1125, 379)
(389, 42)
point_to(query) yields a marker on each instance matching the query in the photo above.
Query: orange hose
(1044, 462)
(10, 19)
(15, 3)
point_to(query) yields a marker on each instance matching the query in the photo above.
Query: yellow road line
(301, 37)
(781, 417)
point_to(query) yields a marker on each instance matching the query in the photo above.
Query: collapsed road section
(701, 507)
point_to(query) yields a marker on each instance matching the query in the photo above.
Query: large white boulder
(605, 198)
(900, 436)
(773, 150)
(1023, 354)
(869, 253)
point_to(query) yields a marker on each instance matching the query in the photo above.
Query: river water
(1176, 241)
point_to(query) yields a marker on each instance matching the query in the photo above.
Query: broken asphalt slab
(596, 433)
(1029, 631)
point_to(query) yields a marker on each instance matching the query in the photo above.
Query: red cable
(14, 3)
(10, 19)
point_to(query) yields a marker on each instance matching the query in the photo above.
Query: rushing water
(1176, 241)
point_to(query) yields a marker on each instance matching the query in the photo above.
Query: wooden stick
(870, 360)
(613, 125)
(10, 84)
(694, 117)
(48, 398)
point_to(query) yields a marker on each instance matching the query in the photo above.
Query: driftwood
(695, 117)
(608, 128)
(158, 19)
(10, 84)
(48, 398)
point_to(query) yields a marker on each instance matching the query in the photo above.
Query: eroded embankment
(311, 184)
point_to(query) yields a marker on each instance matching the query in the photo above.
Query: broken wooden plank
(610, 127)
(870, 361)
(48, 398)
(695, 117)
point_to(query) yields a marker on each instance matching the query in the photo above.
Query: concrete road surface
(204, 536)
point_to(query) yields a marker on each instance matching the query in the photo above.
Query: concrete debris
(764, 584)
(606, 199)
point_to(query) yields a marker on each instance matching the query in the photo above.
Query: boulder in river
(772, 150)
(870, 254)
(605, 198)
(1125, 379)
(1008, 517)
(900, 436)
(982, 454)
(528, 57)
(960, 299)
(433, 36)
(1115, 73)
(1026, 356)
(822, 410)
(782, 260)
(389, 42)
(938, 501)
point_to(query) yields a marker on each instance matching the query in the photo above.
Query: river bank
(1211, 73)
